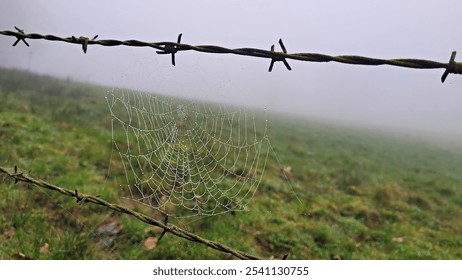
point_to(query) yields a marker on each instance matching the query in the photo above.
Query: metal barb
(20, 37)
(77, 195)
(171, 49)
(279, 59)
(165, 231)
(451, 67)
(282, 46)
(16, 173)
(80, 198)
(84, 41)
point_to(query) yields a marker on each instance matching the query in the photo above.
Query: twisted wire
(172, 48)
(167, 227)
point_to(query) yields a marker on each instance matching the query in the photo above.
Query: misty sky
(382, 96)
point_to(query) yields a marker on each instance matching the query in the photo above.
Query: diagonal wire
(170, 228)
(452, 67)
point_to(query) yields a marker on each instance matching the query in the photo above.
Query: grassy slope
(351, 194)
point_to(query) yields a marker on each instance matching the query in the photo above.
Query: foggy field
(326, 191)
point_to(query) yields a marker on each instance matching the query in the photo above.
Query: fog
(403, 99)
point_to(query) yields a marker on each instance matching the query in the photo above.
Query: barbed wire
(452, 67)
(167, 227)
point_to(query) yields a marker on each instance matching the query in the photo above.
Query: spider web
(187, 158)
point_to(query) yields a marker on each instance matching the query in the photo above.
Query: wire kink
(172, 48)
(187, 158)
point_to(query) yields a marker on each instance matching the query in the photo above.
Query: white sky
(381, 96)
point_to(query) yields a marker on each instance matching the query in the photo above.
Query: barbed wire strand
(167, 227)
(452, 67)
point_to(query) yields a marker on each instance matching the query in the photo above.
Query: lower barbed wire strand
(20, 176)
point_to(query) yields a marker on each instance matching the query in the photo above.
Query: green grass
(350, 193)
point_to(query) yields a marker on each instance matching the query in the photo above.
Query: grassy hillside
(328, 192)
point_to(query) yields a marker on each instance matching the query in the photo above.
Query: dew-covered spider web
(185, 157)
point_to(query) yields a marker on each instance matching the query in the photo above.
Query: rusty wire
(167, 227)
(452, 67)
